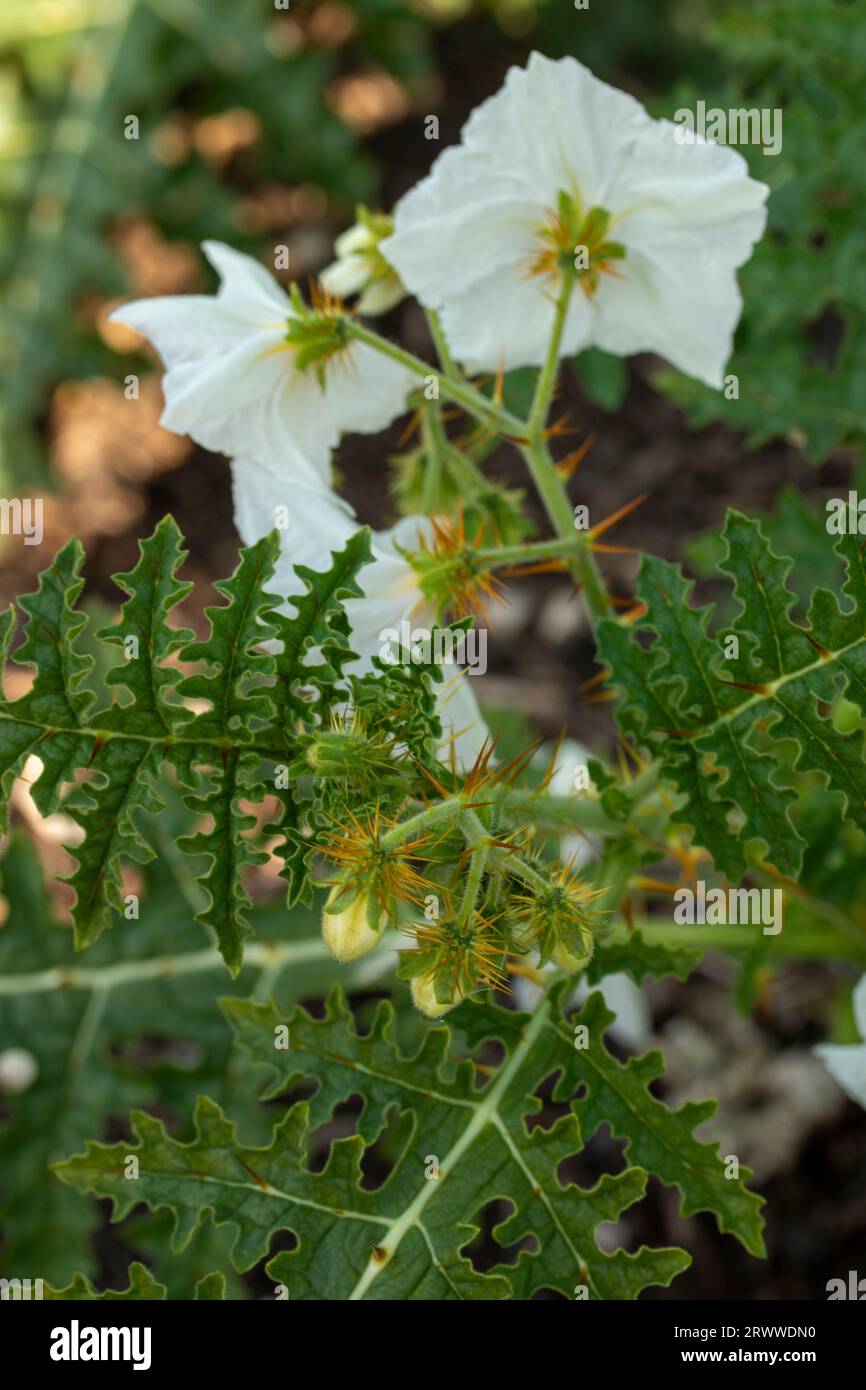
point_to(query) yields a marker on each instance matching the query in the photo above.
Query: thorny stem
(526, 554)
(547, 377)
(550, 485)
(439, 812)
(477, 865)
(440, 342)
(433, 455)
(528, 435)
(525, 871)
(553, 494)
(267, 955)
(461, 392)
(463, 469)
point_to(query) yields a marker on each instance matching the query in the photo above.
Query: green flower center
(572, 242)
(317, 333)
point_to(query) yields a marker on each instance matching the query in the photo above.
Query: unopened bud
(424, 997)
(568, 960)
(349, 934)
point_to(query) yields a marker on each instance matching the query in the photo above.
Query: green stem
(733, 937)
(558, 814)
(464, 395)
(269, 955)
(526, 872)
(477, 865)
(524, 554)
(551, 488)
(434, 815)
(465, 472)
(554, 495)
(443, 351)
(547, 377)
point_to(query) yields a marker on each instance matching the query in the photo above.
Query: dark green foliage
(407, 1238)
(248, 719)
(730, 731)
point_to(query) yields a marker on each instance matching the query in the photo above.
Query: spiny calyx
(572, 242)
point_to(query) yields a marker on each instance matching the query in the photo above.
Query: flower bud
(333, 753)
(360, 267)
(348, 753)
(348, 933)
(568, 960)
(424, 997)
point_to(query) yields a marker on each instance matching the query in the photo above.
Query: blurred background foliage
(261, 122)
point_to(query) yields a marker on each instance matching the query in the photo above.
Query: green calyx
(317, 333)
(349, 753)
(576, 243)
(557, 919)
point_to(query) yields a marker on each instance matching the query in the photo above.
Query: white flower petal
(685, 312)
(246, 288)
(318, 520)
(486, 325)
(381, 295)
(858, 1000)
(345, 276)
(699, 195)
(210, 398)
(355, 238)
(483, 234)
(182, 328)
(848, 1064)
(365, 390)
(463, 726)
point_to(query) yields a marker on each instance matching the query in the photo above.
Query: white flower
(573, 849)
(848, 1064)
(557, 161)
(360, 267)
(633, 1023)
(234, 382)
(319, 523)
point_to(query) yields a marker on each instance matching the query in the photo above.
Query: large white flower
(233, 381)
(847, 1065)
(318, 523)
(559, 167)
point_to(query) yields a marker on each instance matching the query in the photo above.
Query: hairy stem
(438, 814)
(477, 865)
(547, 377)
(528, 552)
(464, 471)
(467, 397)
(443, 351)
(550, 485)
